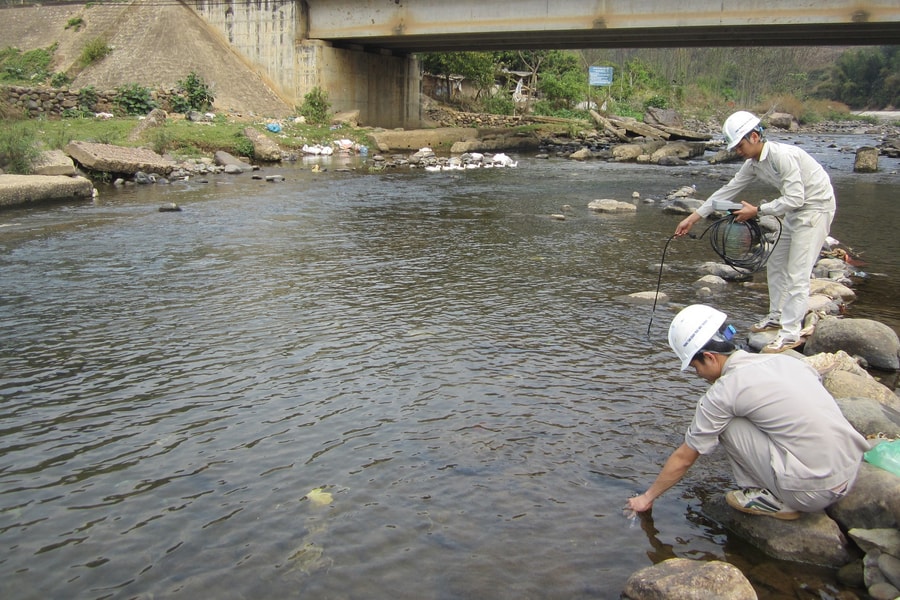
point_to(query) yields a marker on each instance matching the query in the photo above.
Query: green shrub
(75, 23)
(95, 49)
(133, 99)
(194, 94)
(500, 104)
(87, 98)
(243, 146)
(656, 102)
(60, 80)
(160, 140)
(18, 147)
(316, 107)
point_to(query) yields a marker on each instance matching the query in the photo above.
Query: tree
(477, 67)
(868, 77)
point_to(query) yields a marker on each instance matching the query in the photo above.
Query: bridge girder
(409, 26)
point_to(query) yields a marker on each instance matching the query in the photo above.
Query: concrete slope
(154, 45)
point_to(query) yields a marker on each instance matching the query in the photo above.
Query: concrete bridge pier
(385, 89)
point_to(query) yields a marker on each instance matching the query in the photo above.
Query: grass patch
(18, 147)
(31, 66)
(182, 137)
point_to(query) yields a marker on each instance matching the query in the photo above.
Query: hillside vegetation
(813, 83)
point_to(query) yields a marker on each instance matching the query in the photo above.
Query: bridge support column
(385, 89)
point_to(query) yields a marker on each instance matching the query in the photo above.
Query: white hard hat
(737, 126)
(691, 329)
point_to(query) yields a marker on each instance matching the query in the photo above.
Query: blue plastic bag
(274, 127)
(885, 455)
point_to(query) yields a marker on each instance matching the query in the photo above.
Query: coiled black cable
(742, 246)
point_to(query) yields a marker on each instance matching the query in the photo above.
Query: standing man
(789, 446)
(806, 205)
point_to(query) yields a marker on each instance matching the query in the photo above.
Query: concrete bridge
(360, 51)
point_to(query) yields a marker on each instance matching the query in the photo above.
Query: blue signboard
(600, 75)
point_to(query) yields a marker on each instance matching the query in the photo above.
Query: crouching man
(790, 448)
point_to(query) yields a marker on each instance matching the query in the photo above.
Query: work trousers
(749, 452)
(790, 265)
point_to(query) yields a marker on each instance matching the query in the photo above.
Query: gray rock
(876, 541)
(264, 148)
(869, 417)
(608, 205)
(866, 160)
(682, 206)
(890, 568)
(884, 591)
(663, 116)
(874, 341)
(872, 503)
(726, 272)
(871, 572)
(225, 159)
(682, 150)
(644, 298)
(582, 154)
(684, 579)
(813, 539)
(832, 289)
(844, 384)
(156, 118)
(713, 282)
(783, 121)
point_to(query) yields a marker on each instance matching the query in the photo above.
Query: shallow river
(181, 392)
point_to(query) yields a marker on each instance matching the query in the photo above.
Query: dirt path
(154, 46)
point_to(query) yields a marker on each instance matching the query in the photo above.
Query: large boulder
(665, 117)
(866, 160)
(813, 539)
(264, 148)
(874, 341)
(872, 503)
(784, 121)
(685, 579)
(844, 384)
(608, 205)
(231, 163)
(683, 150)
(870, 417)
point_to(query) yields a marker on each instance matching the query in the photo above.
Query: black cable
(742, 246)
(662, 261)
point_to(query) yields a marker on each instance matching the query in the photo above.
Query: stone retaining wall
(52, 102)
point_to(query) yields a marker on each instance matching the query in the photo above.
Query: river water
(353, 385)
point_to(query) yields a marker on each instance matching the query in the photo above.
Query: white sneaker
(765, 325)
(780, 344)
(759, 501)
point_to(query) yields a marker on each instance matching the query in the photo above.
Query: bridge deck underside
(866, 34)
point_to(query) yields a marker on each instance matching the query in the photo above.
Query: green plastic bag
(885, 455)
